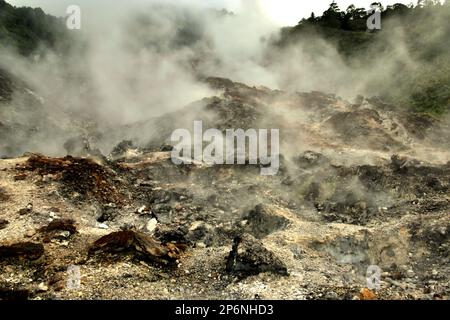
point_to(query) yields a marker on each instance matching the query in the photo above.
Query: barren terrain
(360, 184)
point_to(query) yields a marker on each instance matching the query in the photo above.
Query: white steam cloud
(134, 61)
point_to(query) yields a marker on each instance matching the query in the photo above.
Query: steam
(137, 61)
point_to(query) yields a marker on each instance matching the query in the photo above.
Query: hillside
(28, 30)
(422, 32)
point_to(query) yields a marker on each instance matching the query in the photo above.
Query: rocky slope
(360, 184)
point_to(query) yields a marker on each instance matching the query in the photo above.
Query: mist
(139, 61)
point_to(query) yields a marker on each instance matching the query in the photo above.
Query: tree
(351, 9)
(333, 17)
(312, 18)
(349, 16)
(334, 7)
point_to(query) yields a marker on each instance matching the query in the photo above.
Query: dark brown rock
(26, 250)
(138, 243)
(3, 223)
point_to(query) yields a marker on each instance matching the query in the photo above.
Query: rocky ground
(360, 184)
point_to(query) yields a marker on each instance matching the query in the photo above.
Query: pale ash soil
(341, 202)
(312, 252)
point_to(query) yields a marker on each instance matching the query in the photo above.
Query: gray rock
(250, 257)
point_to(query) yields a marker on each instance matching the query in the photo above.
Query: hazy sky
(283, 12)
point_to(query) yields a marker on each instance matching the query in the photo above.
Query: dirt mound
(79, 176)
(261, 222)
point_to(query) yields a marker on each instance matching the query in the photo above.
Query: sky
(282, 12)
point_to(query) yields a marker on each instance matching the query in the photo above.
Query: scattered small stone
(49, 177)
(367, 294)
(196, 225)
(28, 209)
(54, 194)
(3, 223)
(200, 245)
(331, 296)
(151, 225)
(63, 235)
(42, 287)
(108, 213)
(53, 215)
(144, 210)
(30, 233)
(20, 177)
(64, 243)
(102, 226)
(395, 283)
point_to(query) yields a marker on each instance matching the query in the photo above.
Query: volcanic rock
(140, 244)
(250, 257)
(26, 250)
